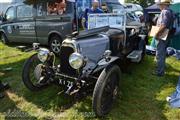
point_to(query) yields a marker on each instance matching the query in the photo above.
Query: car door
(8, 24)
(25, 24)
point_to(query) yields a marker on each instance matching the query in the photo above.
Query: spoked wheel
(106, 90)
(32, 74)
(55, 44)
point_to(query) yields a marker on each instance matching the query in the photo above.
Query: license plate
(66, 83)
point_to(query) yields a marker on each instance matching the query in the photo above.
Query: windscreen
(113, 20)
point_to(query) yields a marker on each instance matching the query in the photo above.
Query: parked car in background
(135, 12)
(1, 18)
(46, 23)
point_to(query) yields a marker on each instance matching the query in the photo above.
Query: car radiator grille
(64, 61)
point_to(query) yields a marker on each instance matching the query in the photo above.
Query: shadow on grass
(137, 100)
(10, 111)
(47, 99)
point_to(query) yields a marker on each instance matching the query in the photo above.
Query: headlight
(43, 54)
(76, 60)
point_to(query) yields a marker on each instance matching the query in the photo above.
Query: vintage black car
(88, 60)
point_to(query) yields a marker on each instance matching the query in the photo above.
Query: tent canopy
(175, 41)
(151, 9)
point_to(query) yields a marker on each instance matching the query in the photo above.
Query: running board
(135, 56)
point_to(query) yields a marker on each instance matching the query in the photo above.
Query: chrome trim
(70, 43)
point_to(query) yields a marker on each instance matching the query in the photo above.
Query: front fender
(103, 62)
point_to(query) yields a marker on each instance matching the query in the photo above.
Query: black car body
(89, 61)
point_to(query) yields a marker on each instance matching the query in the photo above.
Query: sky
(121, 1)
(5, 1)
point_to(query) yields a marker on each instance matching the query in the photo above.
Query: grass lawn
(142, 96)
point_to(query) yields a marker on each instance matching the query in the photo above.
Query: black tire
(26, 77)
(4, 39)
(55, 44)
(109, 76)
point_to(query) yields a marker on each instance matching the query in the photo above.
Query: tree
(143, 3)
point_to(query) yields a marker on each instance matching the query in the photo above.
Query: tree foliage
(143, 3)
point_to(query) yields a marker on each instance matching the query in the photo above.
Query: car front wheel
(106, 90)
(32, 74)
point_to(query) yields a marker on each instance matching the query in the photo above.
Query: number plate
(65, 83)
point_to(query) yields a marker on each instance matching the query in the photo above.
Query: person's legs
(161, 57)
(1, 94)
(3, 87)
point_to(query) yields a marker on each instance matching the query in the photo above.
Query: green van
(46, 23)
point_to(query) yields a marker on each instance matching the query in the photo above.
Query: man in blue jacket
(95, 9)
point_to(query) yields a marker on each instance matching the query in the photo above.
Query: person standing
(165, 21)
(95, 9)
(104, 7)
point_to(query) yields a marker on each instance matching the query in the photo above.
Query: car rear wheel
(4, 39)
(55, 44)
(106, 90)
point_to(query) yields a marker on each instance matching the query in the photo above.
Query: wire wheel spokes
(110, 92)
(35, 72)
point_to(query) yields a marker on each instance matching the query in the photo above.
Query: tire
(4, 39)
(105, 79)
(27, 80)
(55, 44)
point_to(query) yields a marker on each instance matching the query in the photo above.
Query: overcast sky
(5, 1)
(122, 1)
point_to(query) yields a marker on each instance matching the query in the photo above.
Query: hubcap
(56, 45)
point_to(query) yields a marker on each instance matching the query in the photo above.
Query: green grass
(142, 96)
